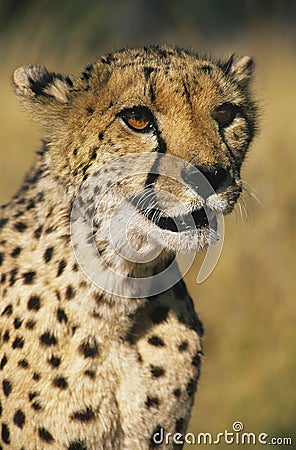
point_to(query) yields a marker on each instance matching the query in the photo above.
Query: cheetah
(90, 357)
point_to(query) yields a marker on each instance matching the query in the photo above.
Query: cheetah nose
(217, 178)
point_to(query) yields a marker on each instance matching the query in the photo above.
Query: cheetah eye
(138, 118)
(225, 114)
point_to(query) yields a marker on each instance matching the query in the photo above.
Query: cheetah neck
(50, 220)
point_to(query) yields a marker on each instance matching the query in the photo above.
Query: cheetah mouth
(197, 219)
(147, 205)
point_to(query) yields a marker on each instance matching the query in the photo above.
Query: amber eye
(225, 114)
(138, 118)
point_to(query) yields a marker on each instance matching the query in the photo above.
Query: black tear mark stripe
(161, 147)
(231, 154)
(161, 150)
(153, 175)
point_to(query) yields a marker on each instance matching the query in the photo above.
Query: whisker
(244, 205)
(252, 192)
(245, 216)
(253, 195)
(156, 216)
(239, 206)
(146, 202)
(250, 186)
(142, 199)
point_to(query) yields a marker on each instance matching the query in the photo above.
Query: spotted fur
(79, 368)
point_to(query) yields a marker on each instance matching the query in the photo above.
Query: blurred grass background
(248, 303)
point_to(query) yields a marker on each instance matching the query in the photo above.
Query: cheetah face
(180, 198)
(158, 101)
(154, 206)
(164, 197)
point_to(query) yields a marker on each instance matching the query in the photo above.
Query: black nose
(216, 177)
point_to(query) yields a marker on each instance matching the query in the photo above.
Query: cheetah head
(193, 117)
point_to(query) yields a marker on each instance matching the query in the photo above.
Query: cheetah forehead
(163, 57)
(165, 60)
(36, 85)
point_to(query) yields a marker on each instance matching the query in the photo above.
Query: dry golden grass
(248, 303)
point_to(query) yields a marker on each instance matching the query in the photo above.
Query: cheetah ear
(35, 84)
(239, 68)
